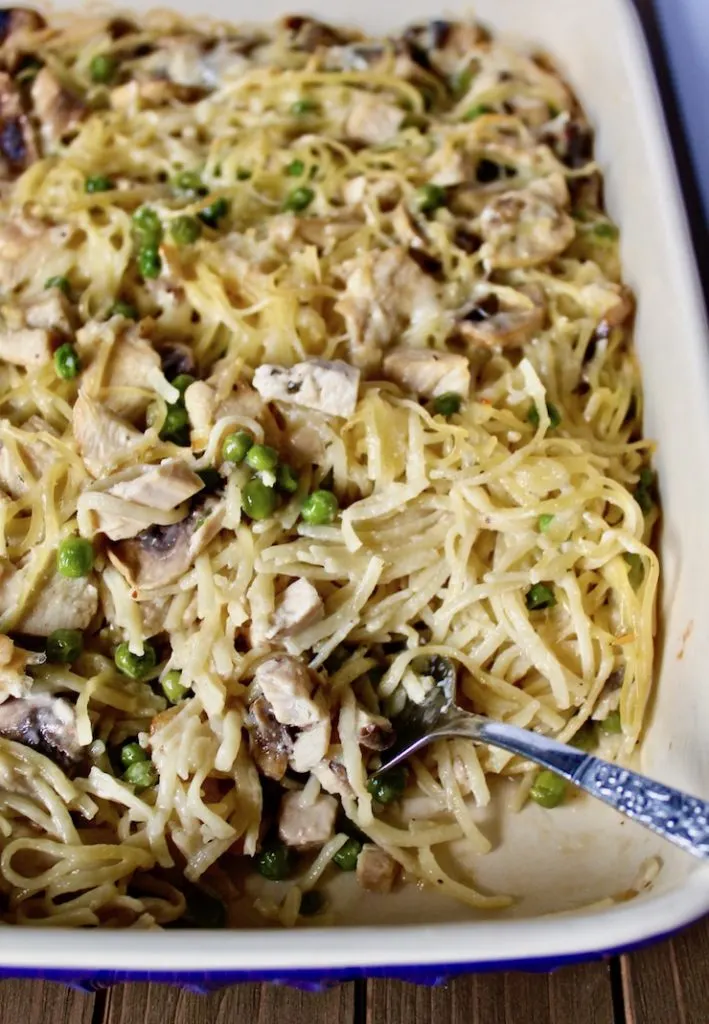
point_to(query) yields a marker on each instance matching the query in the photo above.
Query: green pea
(544, 522)
(319, 508)
(172, 687)
(190, 182)
(552, 412)
(75, 557)
(636, 568)
(312, 902)
(430, 198)
(299, 199)
(286, 478)
(98, 183)
(136, 666)
(262, 458)
(447, 404)
(645, 490)
(149, 262)
(125, 309)
(295, 169)
(243, 174)
(477, 111)
(142, 775)
(102, 68)
(540, 596)
(148, 227)
(388, 786)
(62, 283)
(257, 500)
(182, 381)
(185, 230)
(132, 753)
(175, 426)
(235, 447)
(212, 214)
(303, 106)
(611, 724)
(67, 364)
(275, 862)
(548, 790)
(346, 856)
(64, 646)
(460, 82)
(605, 230)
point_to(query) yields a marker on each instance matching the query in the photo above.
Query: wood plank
(669, 983)
(39, 1002)
(581, 995)
(241, 1004)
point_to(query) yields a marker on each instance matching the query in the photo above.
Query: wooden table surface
(665, 984)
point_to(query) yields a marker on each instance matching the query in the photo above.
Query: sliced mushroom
(162, 554)
(269, 741)
(443, 46)
(501, 318)
(412, 235)
(309, 34)
(14, 20)
(45, 723)
(528, 226)
(304, 824)
(176, 359)
(571, 139)
(57, 108)
(17, 143)
(332, 776)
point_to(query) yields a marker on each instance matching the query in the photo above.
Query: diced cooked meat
(45, 723)
(152, 93)
(287, 685)
(269, 741)
(386, 293)
(372, 119)
(385, 192)
(426, 372)
(57, 603)
(26, 246)
(17, 144)
(375, 732)
(162, 554)
(310, 745)
(208, 401)
(306, 825)
(329, 387)
(26, 347)
(102, 438)
(26, 459)
(162, 487)
(52, 311)
(528, 226)
(122, 376)
(376, 870)
(298, 606)
(59, 110)
(503, 318)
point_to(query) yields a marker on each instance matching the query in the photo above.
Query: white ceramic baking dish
(554, 863)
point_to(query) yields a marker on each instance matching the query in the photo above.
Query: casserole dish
(584, 855)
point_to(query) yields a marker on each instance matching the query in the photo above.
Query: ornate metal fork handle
(672, 814)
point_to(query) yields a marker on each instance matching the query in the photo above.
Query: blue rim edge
(317, 979)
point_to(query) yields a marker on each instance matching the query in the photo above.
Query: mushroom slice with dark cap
(17, 143)
(162, 554)
(44, 723)
(501, 317)
(176, 359)
(269, 741)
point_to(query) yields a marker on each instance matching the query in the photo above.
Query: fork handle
(672, 814)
